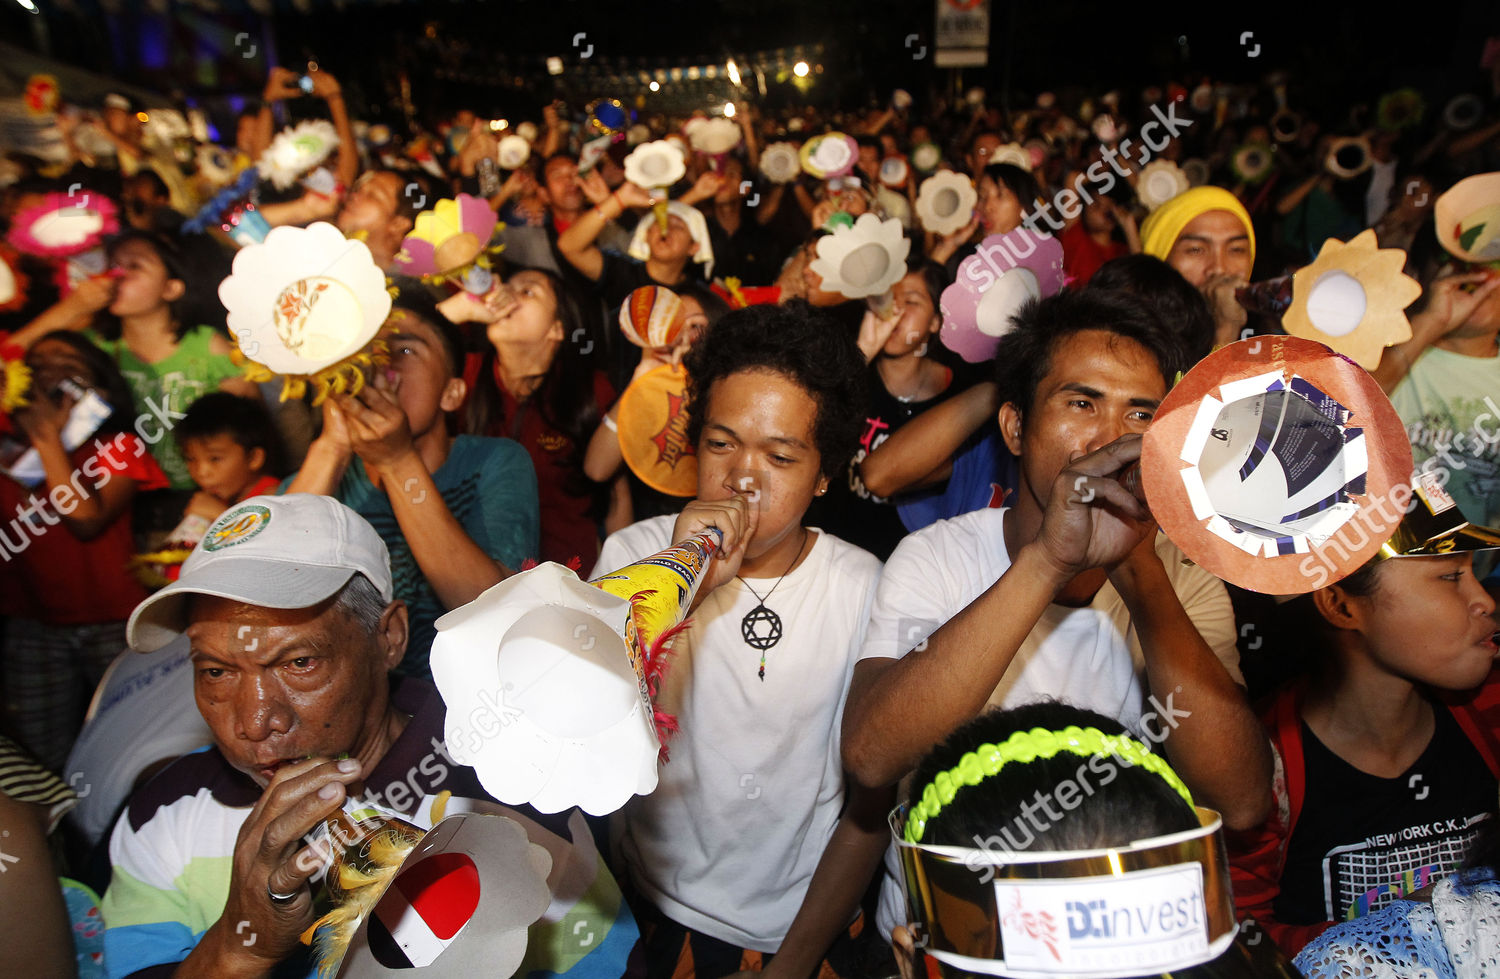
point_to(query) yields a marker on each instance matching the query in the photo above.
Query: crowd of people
(219, 601)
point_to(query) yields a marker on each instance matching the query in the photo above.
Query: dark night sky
(1337, 52)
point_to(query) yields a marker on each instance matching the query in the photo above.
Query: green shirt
(171, 385)
(1450, 404)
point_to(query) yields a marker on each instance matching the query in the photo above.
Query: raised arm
(328, 456)
(326, 87)
(75, 311)
(455, 566)
(579, 244)
(899, 708)
(1448, 307)
(1207, 729)
(86, 502)
(921, 449)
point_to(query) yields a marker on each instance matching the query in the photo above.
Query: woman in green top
(168, 365)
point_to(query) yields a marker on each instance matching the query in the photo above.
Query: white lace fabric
(1457, 936)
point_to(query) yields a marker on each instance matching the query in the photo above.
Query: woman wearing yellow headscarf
(1206, 235)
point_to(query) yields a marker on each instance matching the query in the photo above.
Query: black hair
(149, 176)
(410, 203)
(1118, 803)
(559, 155)
(1300, 615)
(245, 420)
(934, 276)
(1024, 356)
(565, 399)
(807, 347)
(1020, 182)
(1177, 304)
(106, 375)
(198, 269)
(412, 297)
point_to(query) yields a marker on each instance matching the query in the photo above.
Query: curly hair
(807, 347)
(1024, 356)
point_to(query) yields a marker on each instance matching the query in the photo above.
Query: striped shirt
(172, 855)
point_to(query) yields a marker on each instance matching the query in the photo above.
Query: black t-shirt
(1363, 841)
(620, 277)
(850, 511)
(751, 254)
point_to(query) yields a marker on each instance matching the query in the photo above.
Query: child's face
(144, 284)
(222, 467)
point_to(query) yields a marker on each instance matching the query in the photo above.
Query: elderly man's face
(280, 685)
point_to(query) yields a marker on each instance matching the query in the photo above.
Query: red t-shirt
(568, 530)
(1082, 255)
(264, 486)
(50, 575)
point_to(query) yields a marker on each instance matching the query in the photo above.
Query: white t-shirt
(728, 842)
(1090, 657)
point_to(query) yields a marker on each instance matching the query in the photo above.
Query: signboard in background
(963, 33)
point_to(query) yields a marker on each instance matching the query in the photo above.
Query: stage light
(800, 69)
(729, 110)
(30, 7)
(655, 86)
(734, 71)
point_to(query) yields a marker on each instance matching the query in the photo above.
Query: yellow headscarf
(1160, 230)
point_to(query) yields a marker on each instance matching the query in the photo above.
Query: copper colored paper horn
(1191, 480)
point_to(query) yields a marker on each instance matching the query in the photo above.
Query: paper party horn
(652, 317)
(460, 904)
(548, 680)
(656, 166)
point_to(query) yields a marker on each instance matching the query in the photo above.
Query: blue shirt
(489, 486)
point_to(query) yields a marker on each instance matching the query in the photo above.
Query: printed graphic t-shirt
(849, 510)
(1364, 841)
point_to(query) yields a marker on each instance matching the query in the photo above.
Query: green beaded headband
(1025, 747)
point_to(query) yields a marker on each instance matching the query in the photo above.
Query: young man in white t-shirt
(1070, 593)
(746, 844)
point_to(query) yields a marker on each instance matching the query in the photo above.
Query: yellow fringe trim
(356, 891)
(17, 382)
(345, 377)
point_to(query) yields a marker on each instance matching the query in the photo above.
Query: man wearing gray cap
(287, 603)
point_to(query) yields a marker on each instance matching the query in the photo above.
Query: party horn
(608, 116)
(1348, 157)
(1270, 297)
(457, 900)
(1463, 112)
(652, 317)
(1285, 125)
(549, 680)
(660, 590)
